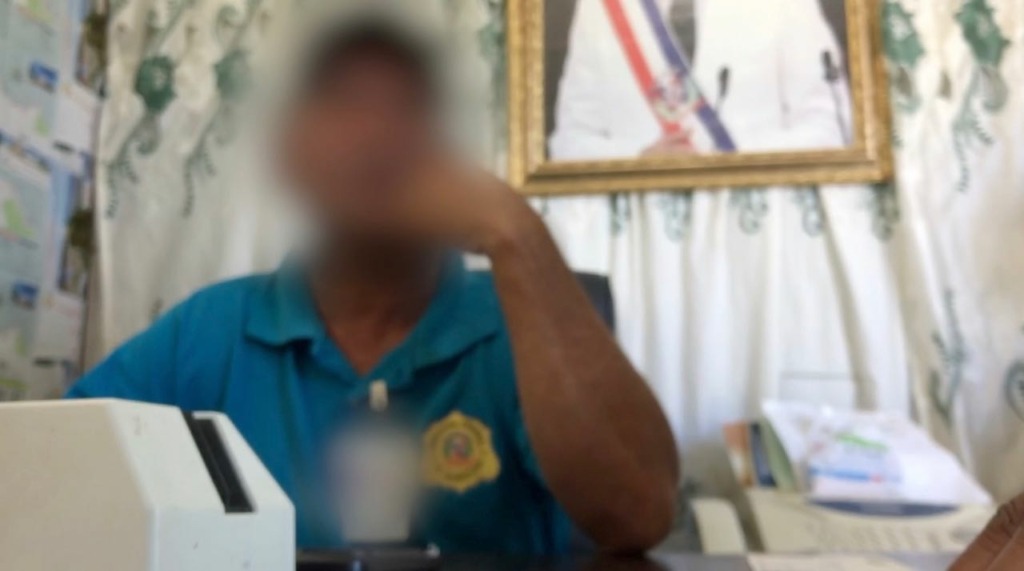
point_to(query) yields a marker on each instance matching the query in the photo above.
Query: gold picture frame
(867, 160)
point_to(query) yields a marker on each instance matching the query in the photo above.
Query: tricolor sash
(677, 96)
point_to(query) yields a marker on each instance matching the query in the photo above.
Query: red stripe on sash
(637, 62)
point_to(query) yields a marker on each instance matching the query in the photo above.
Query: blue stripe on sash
(678, 61)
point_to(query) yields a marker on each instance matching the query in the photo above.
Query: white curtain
(177, 207)
(726, 299)
(960, 150)
(908, 297)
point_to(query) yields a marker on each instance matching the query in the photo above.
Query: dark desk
(657, 562)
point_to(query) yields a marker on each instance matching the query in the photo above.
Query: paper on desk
(871, 456)
(819, 562)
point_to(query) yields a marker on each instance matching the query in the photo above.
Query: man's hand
(1000, 547)
(671, 145)
(464, 206)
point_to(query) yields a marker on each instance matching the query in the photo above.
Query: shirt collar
(283, 312)
(464, 311)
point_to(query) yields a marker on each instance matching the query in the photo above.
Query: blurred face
(354, 140)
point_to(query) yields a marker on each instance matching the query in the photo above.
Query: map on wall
(43, 269)
(24, 204)
(49, 78)
(23, 212)
(29, 76)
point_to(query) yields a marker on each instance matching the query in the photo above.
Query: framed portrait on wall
(621, 95)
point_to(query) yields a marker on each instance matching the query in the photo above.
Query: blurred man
(533, 421)
(677, 77)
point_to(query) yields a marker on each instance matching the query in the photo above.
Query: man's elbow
(644, 525)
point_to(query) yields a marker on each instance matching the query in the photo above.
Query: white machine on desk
(821, 480)
(124, 486)
(793, 523)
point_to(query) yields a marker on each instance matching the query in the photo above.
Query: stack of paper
(832, 454)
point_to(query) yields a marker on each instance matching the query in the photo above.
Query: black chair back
(599, 291)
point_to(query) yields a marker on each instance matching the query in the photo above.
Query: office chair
(599, 291)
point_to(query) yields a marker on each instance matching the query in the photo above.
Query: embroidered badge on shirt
(459, 454)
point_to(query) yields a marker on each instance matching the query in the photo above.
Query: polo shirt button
(379, 395)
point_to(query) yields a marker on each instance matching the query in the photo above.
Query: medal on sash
(673, 96)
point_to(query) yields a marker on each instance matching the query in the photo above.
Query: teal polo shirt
(256, 349)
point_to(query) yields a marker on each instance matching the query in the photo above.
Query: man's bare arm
(602, 442)
(1000, 547)
(601, 439)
